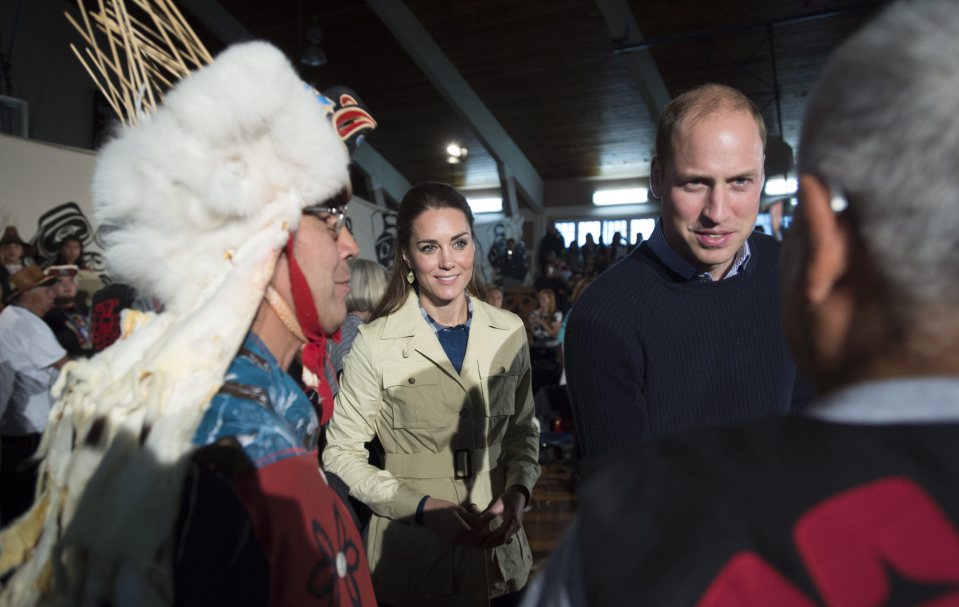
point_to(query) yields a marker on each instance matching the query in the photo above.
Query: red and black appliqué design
(866, 546)
(340, 560)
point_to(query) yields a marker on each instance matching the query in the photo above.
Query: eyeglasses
(333, 217)
(332, 212)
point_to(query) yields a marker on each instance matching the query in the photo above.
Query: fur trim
(238, 144)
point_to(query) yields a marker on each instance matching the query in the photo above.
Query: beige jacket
(398, 384)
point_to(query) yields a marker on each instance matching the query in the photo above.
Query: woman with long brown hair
(443, 380)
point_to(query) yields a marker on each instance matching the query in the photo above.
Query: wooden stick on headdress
(134, 59)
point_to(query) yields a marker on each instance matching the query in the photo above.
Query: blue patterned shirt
(262, 407)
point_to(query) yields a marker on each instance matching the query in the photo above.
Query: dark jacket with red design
(259, 524)
(856, 507)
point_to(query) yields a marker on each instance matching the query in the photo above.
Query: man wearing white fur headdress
(179, 465)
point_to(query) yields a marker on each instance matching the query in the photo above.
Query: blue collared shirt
(437, 327)
(453, 339)
(676, 263)
(262, 407)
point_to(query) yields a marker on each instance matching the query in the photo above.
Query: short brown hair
(696, 104)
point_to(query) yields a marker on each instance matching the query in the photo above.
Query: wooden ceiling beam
(624, 30)
(441, 72)
(224, 25)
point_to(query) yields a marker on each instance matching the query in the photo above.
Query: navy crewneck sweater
(651, 354)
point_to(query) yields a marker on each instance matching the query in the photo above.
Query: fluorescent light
(781, 187)
(485, 205)
(620, 196)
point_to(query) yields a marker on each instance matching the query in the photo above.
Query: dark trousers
(18, 478)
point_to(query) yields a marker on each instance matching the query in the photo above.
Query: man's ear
(829, 241)
(656, 178)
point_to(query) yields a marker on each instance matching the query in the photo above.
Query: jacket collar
(407, 322)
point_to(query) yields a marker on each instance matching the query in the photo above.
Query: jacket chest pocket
(500, 383)
(415, 397)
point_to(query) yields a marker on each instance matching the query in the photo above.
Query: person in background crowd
(685, 333)
(68, 318)
(552, 242)
(443, 380)
(574, 257)
(367, 286)
(13, 253)
(854, 503)
(545, 320)
(590, 249)
(544, 325)
(70, 252)
(513, 264)
(617, 248)
(30, 358)
(556, 279)
(494, 296)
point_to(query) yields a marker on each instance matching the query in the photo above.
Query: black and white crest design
(59, 222)
(386, 239)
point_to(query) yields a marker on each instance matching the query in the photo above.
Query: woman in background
(70, 253)
(544, 324)
(545, 321)
(367, 286)
(494, 296)
(443, 380)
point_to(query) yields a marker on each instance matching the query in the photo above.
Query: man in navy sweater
(684, 333)
(854, 503)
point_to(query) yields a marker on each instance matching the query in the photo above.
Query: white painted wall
(37, 176)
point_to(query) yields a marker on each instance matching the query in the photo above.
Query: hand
(510, 506)
(453, 522)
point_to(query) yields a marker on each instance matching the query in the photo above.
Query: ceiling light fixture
(456, 153)
(485, 205)
(313, 55)
(611, 197)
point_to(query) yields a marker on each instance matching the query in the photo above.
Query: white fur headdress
(237, 143)
(196, 201)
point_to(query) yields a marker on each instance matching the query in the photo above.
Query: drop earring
(409, 277)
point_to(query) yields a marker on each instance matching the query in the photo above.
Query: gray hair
(367, 285)
(883, 125)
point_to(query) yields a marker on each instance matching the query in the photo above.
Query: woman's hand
(454, 523)
(510, 505)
